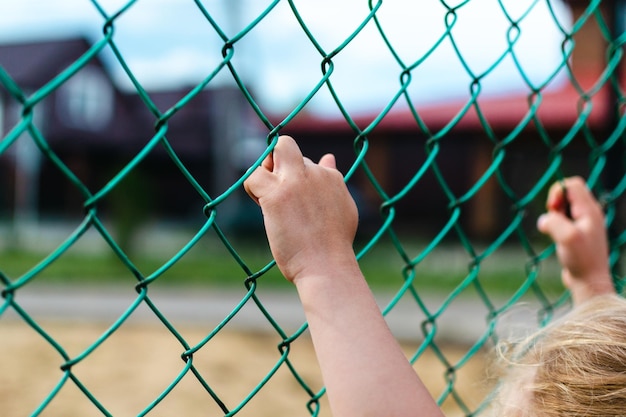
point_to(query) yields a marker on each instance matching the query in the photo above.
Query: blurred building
(94, 129)
(511, 137)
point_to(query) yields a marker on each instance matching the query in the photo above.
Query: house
(95, 129)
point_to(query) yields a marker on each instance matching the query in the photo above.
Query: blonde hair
(573, 367)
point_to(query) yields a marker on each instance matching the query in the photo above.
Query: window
(85, 101)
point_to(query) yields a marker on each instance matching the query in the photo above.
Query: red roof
(556, 108)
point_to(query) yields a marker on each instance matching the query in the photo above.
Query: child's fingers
(286, 159)
(328, 161)
(581, 200)
(556, 225)
(268, 162)
(557, 197)
(572, 198)
(287, 156)
(257, 184)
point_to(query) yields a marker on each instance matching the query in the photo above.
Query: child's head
(573, 367)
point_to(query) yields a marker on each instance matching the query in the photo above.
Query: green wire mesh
(604, 148)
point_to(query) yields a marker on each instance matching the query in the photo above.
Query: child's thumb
(556, 225)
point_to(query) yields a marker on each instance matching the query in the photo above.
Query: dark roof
(32, 64)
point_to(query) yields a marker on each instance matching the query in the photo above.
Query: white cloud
(172, 68)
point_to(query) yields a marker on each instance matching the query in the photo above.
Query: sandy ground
(138, 362)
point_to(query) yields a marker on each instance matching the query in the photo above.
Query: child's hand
(581, 241)
(310, 217)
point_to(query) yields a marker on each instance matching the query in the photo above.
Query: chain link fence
(483, 162)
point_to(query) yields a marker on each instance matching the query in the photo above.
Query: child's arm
(581, 241)
(310, 221)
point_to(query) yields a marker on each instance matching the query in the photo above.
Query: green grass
(212, 265)
(195, 268)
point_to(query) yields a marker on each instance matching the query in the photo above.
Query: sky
(170, 43)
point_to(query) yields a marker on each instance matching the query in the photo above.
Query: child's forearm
(311, 219)
(364, 369)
